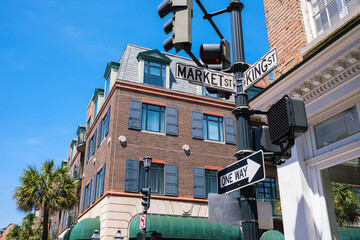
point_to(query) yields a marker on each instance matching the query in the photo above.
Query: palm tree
(50, 189)
(14, 233)
(346, 204)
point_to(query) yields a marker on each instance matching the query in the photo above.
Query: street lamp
(118, 235)
(96, 235)
(147, 162)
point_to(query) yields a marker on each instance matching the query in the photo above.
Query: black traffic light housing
(146, 198)
(216, 56)
(141, 235)
(179, 23)
(287, 119)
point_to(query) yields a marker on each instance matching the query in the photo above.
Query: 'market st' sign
(205, 77)
(260, 69)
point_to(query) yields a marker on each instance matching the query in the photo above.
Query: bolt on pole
(248, 207)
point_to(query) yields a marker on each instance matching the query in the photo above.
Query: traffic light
(179, 23)
(141, 235)
(216, 56)
(286, 119)
(146, 198)
(156, 236)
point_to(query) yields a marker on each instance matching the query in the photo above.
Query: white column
(295, 198)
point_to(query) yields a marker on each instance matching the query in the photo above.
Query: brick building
(318, 45)
(190, 134)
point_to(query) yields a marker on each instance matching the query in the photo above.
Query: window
(213, 128)
(328, 12)
(155, 74)
(204, 92)
(95, 108)
(266, 189)
(210, 181)
(87, 194)
(91, 146)
(153, 118)
(156, 178)
(88, 124)
(253, 91)
(104, 127)
(163, 177)
(98, 190)
(107, 86)
(338, 127)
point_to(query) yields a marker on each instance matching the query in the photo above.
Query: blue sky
(53, 54)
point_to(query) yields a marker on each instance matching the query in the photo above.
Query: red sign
(143, 221)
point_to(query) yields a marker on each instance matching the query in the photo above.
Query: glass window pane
(337, 127)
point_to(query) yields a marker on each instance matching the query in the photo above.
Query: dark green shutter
(199, 182)
(230, 130)
(171, 180)
(93, 143)
(102, 177)
(135, 110)
(107, 121)
(171, 121)
(99, 137)
(197, 125)
(88, 152)
(94, 189)
(83, 200)
(132, 175)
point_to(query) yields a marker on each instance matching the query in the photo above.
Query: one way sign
(242, 173)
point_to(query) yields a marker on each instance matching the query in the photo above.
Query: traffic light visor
(164, 8)
(210, 53)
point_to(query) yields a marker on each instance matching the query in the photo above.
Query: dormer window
(98, 100)
(110, 76)
(155, 74)
(154, 68)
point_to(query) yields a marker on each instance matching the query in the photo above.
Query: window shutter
(132, 175)
(230, 130)
(88, 194)
(88, 152)
(171, 121)
(107, 121)
(93, 143)
(199, 182)
(94, 189)
(83, 200)
(171, 180)
(102, 177)
(135, 109)
(99, 137)
(197, 125)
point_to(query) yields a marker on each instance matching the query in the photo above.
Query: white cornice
(333, 66)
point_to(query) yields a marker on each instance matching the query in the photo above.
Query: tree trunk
(45, 223)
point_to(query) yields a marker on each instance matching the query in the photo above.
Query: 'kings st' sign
(205, 77)
(260, 69)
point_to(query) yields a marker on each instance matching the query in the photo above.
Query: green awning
(67, 235)
(352, 233)
(185, 228)
(84, 229)
(272, 235)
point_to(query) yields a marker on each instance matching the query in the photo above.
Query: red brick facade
(286, 32)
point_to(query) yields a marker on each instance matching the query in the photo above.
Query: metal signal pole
(248, 207)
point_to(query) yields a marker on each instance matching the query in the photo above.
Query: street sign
(205, 77)
(142, 222)
(260, 69)
(242, 173)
